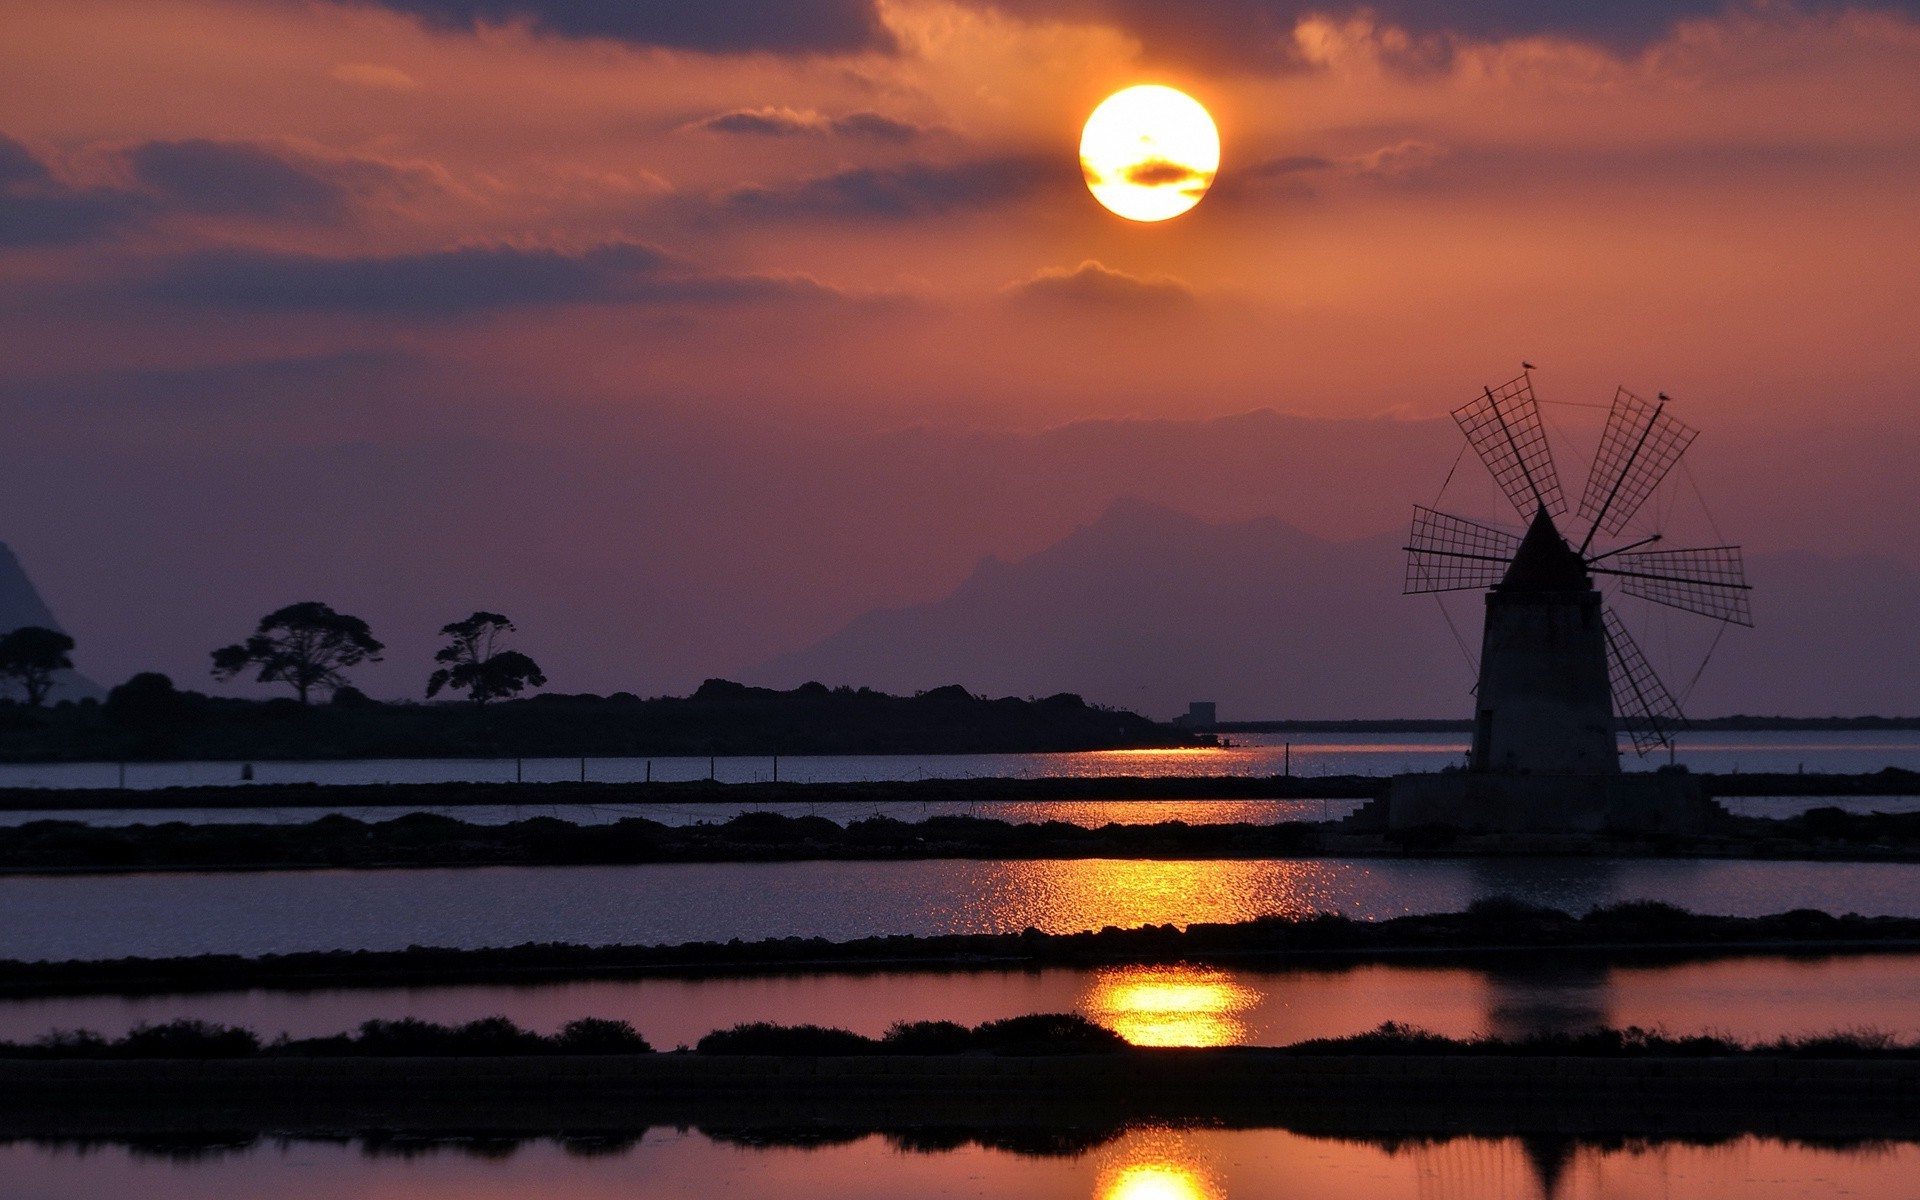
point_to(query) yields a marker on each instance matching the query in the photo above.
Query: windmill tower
(1557, 665)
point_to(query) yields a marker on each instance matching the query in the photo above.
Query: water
(108, 916)
(1260, 756)
(1756, 999)
(1255, 755)
(1140, 1164)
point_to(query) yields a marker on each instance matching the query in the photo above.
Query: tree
(306, 645)
(30, 655)
(477, 666)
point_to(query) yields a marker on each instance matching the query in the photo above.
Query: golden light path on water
(1154, 1163)
(1065, 895)
(1177, 1005)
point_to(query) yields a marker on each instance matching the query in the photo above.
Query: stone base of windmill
(1490, 802)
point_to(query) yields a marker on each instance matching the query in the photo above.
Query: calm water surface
(1172, 1005)
(1251, 755)
(107, 916)
(1142, 1164)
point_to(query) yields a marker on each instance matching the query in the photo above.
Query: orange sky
(732, 245)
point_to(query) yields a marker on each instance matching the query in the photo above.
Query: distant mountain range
(20, 605)
(1147, 608)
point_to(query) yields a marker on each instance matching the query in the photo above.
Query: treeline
(148, 718)
(432, 840)
(1494, 927)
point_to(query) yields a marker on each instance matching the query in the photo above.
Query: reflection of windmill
(1556, 664)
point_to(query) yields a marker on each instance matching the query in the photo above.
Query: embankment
(1406, 1095)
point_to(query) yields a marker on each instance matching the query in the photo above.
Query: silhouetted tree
(306, 646)
(148, 698)
(30, 655)
(477, 666)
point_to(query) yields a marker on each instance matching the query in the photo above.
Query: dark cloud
(904, 190)
(1094, 283)
(787, 122)
(38, 210)
(235, 179)
(709, 26)
(1161, 172)
(460, 281)
(878, 126)
(271, 180)
(1258, 34)
(18, 165)
(1292, 164)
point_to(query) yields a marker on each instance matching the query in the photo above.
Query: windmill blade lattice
(1639, 447)
(1708, 580)
(1446, 553)
(1646, 709)
(1503, 425)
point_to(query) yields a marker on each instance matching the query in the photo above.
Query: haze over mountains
(674, 552)
(1148, 608)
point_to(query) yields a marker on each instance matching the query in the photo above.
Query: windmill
(1556, 662)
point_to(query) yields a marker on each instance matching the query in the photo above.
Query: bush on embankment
(1036, 1033)
(408, 1037)
(1396, 1039)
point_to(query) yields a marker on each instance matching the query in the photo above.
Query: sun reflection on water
(1177, 1005)
(1156, 1164)
(1068, 895)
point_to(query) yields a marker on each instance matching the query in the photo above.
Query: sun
(1149, 152)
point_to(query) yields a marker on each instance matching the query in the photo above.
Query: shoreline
(436, 840)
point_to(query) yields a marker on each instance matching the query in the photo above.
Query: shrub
(1046, 1033)
(764, 1037)
(927, 1037)
(187, 1039)
(411, 1036)
(599, 1035)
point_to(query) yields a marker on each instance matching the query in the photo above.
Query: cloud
(375, 76)
(792, 27)
(18, 165)
(234, 179)
(1291, 164)
(1094, 283)
(789, 122)
(903, 190)
(1162, 172)
(459, 281)
(1399, 159)
(270, 180)
(1395, 161)
(1260, 34)
(37, 209)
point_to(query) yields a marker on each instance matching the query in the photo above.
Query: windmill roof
(1544, 562)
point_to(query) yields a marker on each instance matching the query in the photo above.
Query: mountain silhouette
(21, 605)
(1148, 608)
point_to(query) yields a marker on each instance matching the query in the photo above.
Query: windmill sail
(1639, 447)
(1503, 424)
(1446, 553)
(1708, 580)
(1646, 709)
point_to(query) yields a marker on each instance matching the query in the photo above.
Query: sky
(685, 334)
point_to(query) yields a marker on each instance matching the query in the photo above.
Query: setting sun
(1149, 152)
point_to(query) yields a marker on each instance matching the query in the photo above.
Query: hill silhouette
(21, 605)
(1149, 608)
